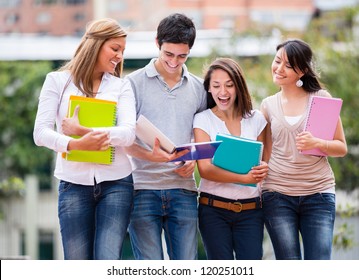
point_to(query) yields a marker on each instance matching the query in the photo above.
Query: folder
(93, 113)
(322, 120)
(238, 154)
(147, 132)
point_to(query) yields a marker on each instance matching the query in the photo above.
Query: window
(117, 6)
(79, 17)
(11, 19)
(46, 245)
(74, 2)
(43, 18)
(9, 3)
(45, 2)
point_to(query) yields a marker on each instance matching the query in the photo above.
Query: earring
(299, 83)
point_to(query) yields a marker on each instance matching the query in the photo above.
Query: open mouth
(223, 100)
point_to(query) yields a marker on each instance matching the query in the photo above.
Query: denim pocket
(268, 196)
(328, 197)
(189, 193)
(64, 186)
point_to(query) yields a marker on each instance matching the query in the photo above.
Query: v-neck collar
(284, 121)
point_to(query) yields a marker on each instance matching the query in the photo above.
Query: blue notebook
(237, 154)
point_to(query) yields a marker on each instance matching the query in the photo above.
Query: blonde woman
(95, 200)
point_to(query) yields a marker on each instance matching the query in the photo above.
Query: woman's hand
(306, 141)
(259, 172)
(92, 141)
(71, 126)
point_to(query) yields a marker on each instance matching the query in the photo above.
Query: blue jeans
(225, 233)
(288, 217)
(173, 211)
(94, 219)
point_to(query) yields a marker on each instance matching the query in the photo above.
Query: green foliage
(337, 57)
(20, 84)
(344, 233)
(11, 186)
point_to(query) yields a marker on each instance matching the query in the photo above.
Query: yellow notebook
(93, 113)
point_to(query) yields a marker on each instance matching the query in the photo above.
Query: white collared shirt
(50, 113)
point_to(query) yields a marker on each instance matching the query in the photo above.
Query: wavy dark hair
(243, 99)
(300, 57)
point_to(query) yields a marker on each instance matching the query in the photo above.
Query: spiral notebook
(237, 154)
(93, 113)
(322, 120)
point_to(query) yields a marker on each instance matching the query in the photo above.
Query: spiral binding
(113, 149)
(311, 104)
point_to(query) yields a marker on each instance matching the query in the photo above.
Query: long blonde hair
(82, 65)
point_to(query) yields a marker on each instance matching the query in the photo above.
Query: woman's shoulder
(255, 116)
(203, 115)
(117, 81)
(61, 75)
(323, 92)
(270, 98)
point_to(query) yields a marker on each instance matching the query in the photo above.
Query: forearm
(216, 174)
(139, 152)
(333, 148)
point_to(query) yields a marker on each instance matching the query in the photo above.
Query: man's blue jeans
(311, 216)
(94, 219)
(173, 211)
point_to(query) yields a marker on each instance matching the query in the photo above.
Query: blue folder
(238, 154)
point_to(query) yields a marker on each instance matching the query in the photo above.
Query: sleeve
(260, 120)
(44, 133)
(124, 133)
(201, 121)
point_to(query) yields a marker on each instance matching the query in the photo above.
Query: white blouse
(51, 113)
(251, 128)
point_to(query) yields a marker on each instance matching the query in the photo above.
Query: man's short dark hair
(176, 28)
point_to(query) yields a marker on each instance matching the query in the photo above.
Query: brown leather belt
(232, 206)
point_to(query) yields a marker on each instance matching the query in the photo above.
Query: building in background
(68, 17)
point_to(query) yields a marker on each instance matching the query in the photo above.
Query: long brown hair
(82, 65)
(235, 72)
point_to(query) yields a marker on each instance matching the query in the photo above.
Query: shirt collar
(152, 72)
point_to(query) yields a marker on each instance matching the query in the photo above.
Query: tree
(20, 84)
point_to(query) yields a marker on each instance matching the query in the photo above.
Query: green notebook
(93, 113)
(237, 154)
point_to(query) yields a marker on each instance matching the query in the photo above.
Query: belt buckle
(240, 206)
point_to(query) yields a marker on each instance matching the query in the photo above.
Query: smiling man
(165, 193)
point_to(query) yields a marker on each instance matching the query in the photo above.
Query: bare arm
(334, 148)
(267, 139)
(211, 172)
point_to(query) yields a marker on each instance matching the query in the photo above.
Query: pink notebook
(322, 119)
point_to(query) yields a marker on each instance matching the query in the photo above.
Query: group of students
(146, 194)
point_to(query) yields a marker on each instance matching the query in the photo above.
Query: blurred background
(38, 36)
